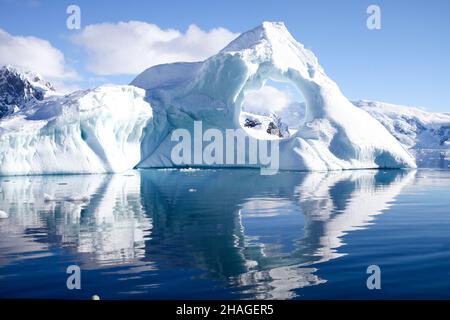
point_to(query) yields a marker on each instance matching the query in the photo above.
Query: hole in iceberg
(275, 111)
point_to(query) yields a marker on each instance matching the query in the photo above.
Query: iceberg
(116, 128)
(334, 134)
(91, 131)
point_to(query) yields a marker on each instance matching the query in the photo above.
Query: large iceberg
(334, 134)
(115, 128)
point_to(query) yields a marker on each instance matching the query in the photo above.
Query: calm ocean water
(227, 234)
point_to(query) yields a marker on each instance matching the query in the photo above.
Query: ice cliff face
(90, 131)
(19, 89)
(334, 135)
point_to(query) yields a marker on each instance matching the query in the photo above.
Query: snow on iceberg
(334, 134)
(92, 131)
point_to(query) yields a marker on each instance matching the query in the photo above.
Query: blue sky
(406, 62)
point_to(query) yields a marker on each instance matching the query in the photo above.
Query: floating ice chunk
(3, 214)
(82, 199)
(189, 169)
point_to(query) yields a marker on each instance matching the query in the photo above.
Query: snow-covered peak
(263, 32)
(273, 41)
(270, 41)
(29, 76)
(19, 89)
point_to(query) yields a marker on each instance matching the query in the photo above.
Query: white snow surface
(92, 131)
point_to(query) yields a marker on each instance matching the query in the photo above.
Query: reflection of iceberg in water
(278, 283)
(261, 236)
(100, 215)
(304, 216)
(354, 199)
(333, 204)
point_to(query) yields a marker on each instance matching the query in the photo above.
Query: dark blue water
(235, 234)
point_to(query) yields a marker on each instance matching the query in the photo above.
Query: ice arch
(273, 80)
(274, 101)
(335, 135)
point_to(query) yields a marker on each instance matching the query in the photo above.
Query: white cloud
(131, 47)
(35, 54)
(268, 99)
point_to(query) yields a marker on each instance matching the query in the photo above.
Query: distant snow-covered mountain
(413, 127)
(20, 89)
